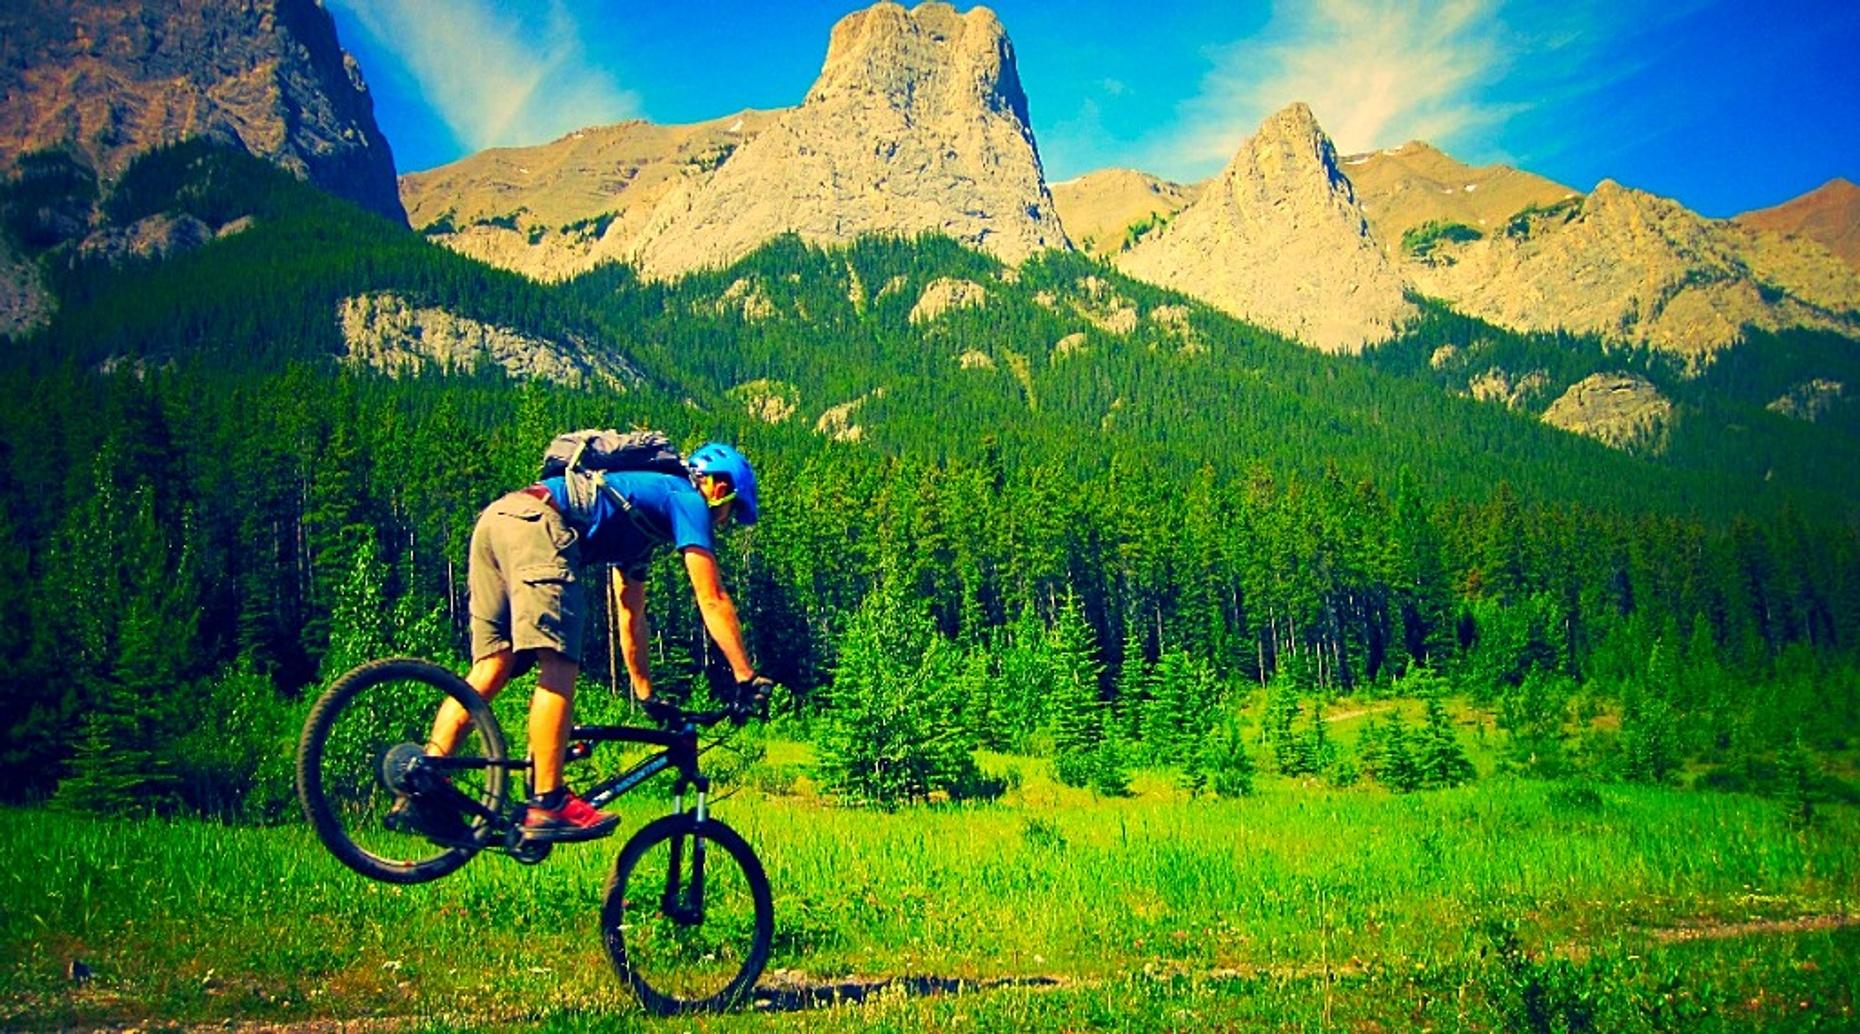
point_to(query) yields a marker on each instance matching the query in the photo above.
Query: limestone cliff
(1277, 238)
(387, 332)
(917, 123)
(107, 80)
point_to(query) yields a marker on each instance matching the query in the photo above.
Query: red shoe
(575, 820)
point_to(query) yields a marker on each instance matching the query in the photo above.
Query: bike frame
(681, 753)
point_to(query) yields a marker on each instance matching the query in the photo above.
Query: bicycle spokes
(393, 803)
(689, 925)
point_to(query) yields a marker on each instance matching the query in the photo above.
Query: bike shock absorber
(580, 750)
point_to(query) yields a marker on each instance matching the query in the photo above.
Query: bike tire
(380, 706)
(677, 967)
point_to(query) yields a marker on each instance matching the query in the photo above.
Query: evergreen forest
(1077, 516)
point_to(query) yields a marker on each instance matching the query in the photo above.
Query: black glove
(752, 694)
(659, 710)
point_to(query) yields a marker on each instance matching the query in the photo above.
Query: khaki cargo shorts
(522, 579)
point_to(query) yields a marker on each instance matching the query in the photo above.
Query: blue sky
(1725, 106)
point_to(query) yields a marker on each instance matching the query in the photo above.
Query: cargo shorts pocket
(546, 574)
(547, 605)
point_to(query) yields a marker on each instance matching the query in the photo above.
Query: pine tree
(1282, 711)
(1442, 761)
(891, 733)
(1182, 690)
(1399, 770)
(1797, 776)
(1110, 763)
(122, 760)
(1079, 713)
(1224, 763)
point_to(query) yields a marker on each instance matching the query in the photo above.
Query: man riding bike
(527, 606)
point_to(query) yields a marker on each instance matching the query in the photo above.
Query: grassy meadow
(1507, 904)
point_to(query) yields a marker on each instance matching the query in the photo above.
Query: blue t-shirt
(666, 509)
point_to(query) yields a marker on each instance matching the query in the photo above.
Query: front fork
(685, 904)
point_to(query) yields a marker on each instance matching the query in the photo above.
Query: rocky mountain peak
(892, 53)
(917, 123)
(1278, 238)
(1291, 144)
(106, 81)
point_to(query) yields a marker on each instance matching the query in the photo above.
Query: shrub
(1420, 241)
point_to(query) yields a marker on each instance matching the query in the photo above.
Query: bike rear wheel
(379, 805)
(688, 918)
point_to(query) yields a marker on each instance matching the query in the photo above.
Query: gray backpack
(583, 458)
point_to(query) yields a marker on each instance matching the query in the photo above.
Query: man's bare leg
(488, 675)
(551, 717)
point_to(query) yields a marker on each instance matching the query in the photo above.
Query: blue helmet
(720, 460)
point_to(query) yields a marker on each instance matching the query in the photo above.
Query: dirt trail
(793, 990)
(1753, 928)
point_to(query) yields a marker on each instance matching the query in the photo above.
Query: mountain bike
(686, 917)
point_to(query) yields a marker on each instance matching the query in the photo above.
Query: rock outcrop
(747, 298)
(1278, 239)
(1620, 410)
(158, 236)
(388, 333)
(1404, 188)
(106, 81)
(1496, 384)
(840, 423)
(1809, 400)
(946, 293)
(918, 123)
(561, 208)
(1632, 267)
(25, 305)
(1108, 211)
(770, 401)
(1829, 215)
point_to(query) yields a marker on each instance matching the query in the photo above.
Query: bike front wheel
(375, 800)
(687, 919)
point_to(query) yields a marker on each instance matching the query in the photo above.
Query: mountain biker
(527, 606)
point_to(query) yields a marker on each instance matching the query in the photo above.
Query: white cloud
(1375, 72)
(498, 74)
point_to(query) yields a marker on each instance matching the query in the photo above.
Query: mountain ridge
(1828, 215)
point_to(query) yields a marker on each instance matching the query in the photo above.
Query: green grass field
(1504, 905)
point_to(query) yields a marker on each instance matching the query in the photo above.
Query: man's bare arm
(633, 633)
(719, 613)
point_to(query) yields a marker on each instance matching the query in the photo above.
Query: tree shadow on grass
(798, 995)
